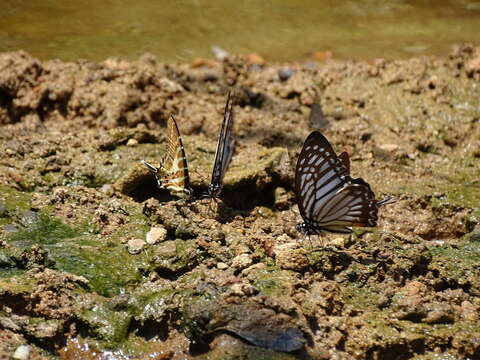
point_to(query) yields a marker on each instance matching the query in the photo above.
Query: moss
(272, 281)
(105, 263)
(458, 263)
(14, 201)
(107, 325)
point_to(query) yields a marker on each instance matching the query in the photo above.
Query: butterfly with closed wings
(174, 165)
(224, 152)
(328, 198)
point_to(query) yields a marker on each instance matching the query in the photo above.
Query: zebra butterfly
(328, 198)
(224, 152)
(174, 164)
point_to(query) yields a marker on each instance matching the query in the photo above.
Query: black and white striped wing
(328, 198)
(225, 145)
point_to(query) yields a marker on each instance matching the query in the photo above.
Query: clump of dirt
(96, 262)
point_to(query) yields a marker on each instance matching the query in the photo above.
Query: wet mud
(98, 263)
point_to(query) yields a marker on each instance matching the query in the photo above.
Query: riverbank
(236, 278)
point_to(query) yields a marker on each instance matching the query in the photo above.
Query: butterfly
(174, 165)
(224, 152)
(328, 198)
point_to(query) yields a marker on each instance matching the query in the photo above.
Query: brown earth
(234, 279)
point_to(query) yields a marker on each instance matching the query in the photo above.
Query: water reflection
(280, 30)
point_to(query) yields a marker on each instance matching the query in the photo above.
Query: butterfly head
(306, 229)
(214, 190)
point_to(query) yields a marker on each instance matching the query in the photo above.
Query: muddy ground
(81, 279)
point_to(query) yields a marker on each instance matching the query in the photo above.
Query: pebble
(389, 147)
(222, 266)
(219, 53)
(156, 234)
(22, 353)
(322, 55)
(132, 142)
(135, 246)
(285, 73)
(242, 261)
(107, 189)
(254, 59)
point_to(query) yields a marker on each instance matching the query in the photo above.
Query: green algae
(272, 281)
(460, 263)
(14, 201)
(109, 326)
(104, 262)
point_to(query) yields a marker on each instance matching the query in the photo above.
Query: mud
(80, 278)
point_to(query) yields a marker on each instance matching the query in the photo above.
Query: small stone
(222, 266)
(290, 257)
(389, 147)
(285, 73)
(107, 189)
(10, 228)
(22, 353)
(132, 142)
(254, 59)
(322, 55)
(338, 242)
(156, 234)
(242, 261)
(219, 53)
(135, 246)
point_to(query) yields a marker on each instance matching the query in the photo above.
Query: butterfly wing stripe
(337, 229)
(225, 144)
(175, 161)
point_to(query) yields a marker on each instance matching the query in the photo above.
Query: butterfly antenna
(150, 167)
(386, 201)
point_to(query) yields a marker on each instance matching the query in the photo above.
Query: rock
(29, 218)
(254, 59)
(107, 189)
(242, 261)
(156, 235)
(222, 266)
(219, 53)
(322, 55)
(22, 353)
(135, 246)
(290, 257)
(132, 142)
(285, 73)
(173, 256)
(388, 147)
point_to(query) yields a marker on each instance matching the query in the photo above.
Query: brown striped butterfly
(328, 198)
(174, 165)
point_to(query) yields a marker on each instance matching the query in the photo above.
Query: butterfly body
(224, 152)
(329, 199)
(175, 168)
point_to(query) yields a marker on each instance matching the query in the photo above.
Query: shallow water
(180, 30)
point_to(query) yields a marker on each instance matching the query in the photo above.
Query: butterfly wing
(176, 177)
(328, 198)
(225, 145)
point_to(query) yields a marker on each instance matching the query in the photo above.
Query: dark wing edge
(225, 144)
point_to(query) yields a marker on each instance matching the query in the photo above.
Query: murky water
(279, 30)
